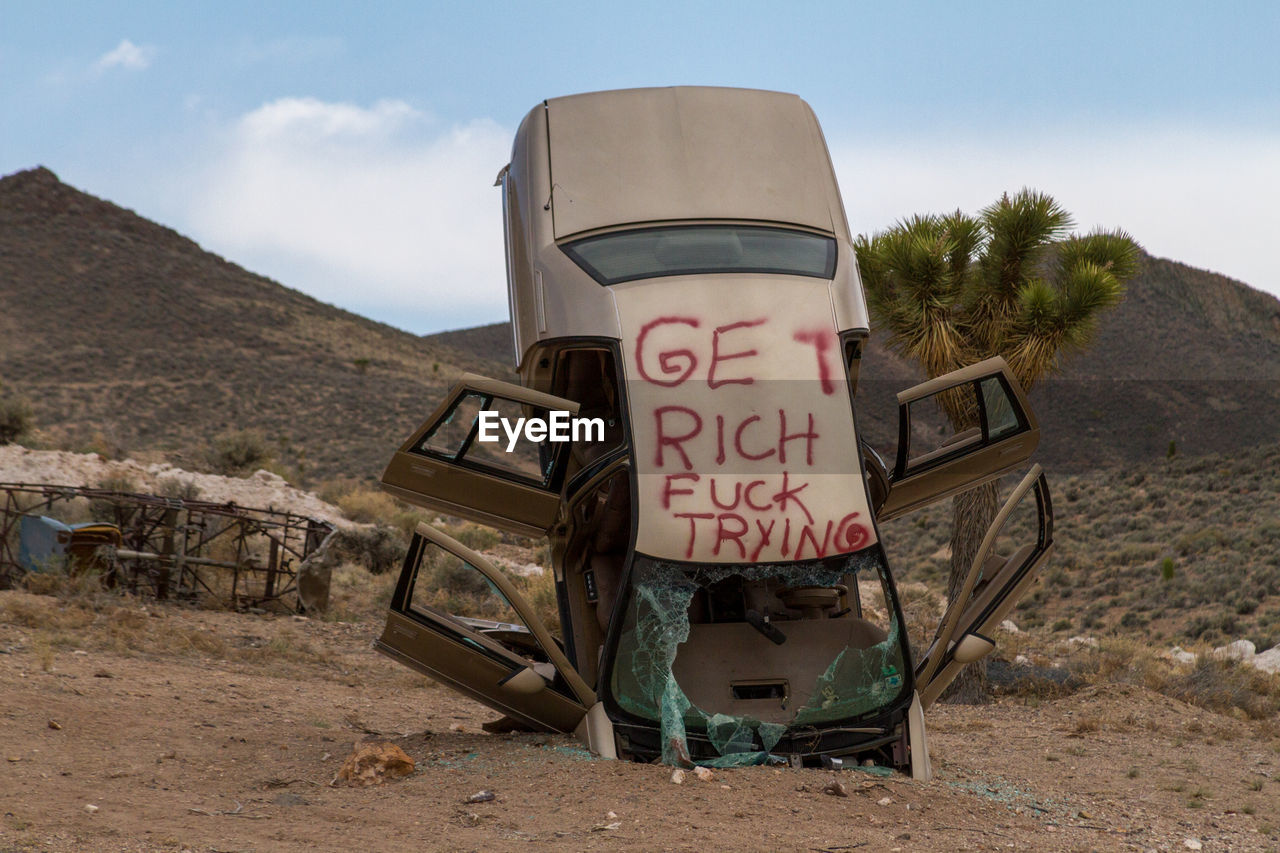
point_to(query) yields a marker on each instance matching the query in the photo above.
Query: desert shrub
(355, 596)
(16, 419)
(378, 548)
(922, 609)
(1203, 540)
(448, 584)
(540, 591)
(237, 452)
(368, 506)
(474, 536)
(1226, 685)
(177, 487)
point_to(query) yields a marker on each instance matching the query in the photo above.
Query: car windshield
(701, 249)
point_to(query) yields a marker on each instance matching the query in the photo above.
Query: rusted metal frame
(144, 517)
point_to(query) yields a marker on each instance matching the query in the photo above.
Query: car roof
(688, 153)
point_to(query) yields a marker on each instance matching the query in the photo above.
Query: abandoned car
(688, 324)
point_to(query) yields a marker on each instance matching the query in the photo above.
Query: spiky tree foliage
(954, 289)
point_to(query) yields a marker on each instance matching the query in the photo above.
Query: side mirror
(525, 681)
(972, 647)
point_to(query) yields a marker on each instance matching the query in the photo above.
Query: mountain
(1190, 357)
(125, 335)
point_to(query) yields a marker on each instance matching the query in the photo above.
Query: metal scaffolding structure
(173, 547)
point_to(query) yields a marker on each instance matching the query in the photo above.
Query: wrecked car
(688, 326)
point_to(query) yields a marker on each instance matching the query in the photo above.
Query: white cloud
(125, 55)
(375, 208)
(385, 211)
(1203, 197)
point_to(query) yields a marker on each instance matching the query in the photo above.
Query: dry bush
(1224, 686)
(119, 483)
(379, 548)
(922, 609)
(540, 591)
(16, 419)
(238, 452)
(357, 596)
(1227, 686)
(177, 487)
(368, 506)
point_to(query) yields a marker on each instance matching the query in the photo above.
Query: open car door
(457, 618)
(932, 462)
(1015, 547)
(447, 465)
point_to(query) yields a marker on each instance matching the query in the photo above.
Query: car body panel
(994, 584)
(1006, 434)
(612, 162)
(461, 477)
(723, 589)
(459, 652)
(550, 297)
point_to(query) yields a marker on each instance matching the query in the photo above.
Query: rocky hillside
(1190, 357)
(127, 337)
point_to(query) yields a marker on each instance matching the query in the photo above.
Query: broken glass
(857, 676)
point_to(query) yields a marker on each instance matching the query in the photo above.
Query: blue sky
(348, 150)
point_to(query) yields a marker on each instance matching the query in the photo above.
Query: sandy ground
(209, 731)
(262, 490)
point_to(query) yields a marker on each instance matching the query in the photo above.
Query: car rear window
(701, 249)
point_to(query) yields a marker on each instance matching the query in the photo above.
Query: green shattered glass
(856, 681)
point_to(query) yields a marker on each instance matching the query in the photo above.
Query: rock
(677, 776)
(1007, 625)
(1268, 661)
(835, 789)
(1022, 660)
(482, 797)
(1179, 655)
(1241, 650)
(90, 808)
(55, 725)
(1082, 643)
(884, 801)
(373, 763)
(703, 773)
(1192, 844)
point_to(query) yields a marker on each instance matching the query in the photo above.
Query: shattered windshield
(740, 654)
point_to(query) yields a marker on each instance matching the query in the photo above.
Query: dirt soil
(209, 731)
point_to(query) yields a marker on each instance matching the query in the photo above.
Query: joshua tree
(954, 289)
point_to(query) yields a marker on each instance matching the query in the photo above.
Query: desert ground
(143, 726)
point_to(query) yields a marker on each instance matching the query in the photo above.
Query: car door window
(958, 431)
(493, 453)
(1012, 552)
(451, 591)
(461, 620)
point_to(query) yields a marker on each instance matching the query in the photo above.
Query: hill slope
(124, 334)
(119, 328)
(1190, 356)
